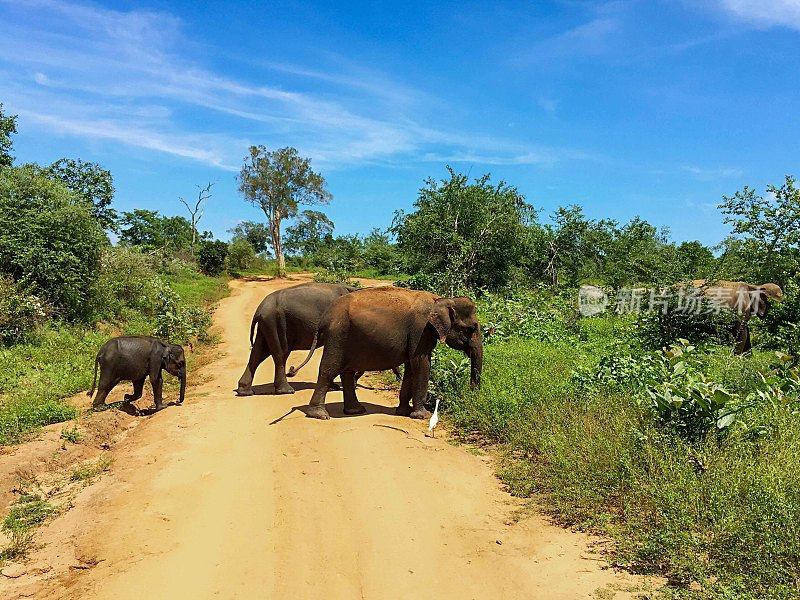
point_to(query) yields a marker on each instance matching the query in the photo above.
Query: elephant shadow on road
(268, 389)
(336, 411)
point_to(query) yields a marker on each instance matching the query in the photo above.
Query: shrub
(126, 281)
(49, 241)
(335, 276)
(782, 321)
(541, 315)
(658, 329)
(241, 255)
(211, 257)
(179, 323)
(20, 312)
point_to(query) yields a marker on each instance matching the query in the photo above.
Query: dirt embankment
(230, 497)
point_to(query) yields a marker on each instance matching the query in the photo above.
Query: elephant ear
(441, 317)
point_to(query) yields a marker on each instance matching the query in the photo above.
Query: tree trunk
(276, 245)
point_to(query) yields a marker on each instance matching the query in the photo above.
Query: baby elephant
(133, 358)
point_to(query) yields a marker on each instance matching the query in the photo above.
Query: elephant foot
(245, 391)
(356, 409)
(335, 387)
(420, 413)
(317, 412)
(403, 410)
(284, 389)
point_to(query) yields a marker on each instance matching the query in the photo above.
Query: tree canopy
(91, 183)
(465, 234)
(279, 181)
(8, 127)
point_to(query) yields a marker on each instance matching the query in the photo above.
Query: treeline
(57, 262)
(480, 234)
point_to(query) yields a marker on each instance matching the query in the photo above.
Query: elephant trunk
(183, 386)
(476, 362)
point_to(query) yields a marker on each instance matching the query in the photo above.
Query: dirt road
(231, 497)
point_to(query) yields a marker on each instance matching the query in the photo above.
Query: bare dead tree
(196, 213)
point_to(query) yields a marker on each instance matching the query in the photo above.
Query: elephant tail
(253, 329)
(293, 370)
(94, 381)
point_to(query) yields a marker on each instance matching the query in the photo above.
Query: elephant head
(173, 361)
(457, 325)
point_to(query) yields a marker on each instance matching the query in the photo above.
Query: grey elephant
(381, 328)
(743, 298)
(134, 358)
(287, 320)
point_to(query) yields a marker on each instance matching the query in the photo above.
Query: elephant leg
(258, 354)
(329, 367)
(276, 337)
(351, 404)
(742, 339)
(138, 387)
(106, 384)
(420, 378)
(158, 387)
(404, 408)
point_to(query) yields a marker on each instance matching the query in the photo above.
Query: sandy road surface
(214, 500)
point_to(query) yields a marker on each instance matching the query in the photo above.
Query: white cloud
(131, 78)
(765, 13)
(712, 173)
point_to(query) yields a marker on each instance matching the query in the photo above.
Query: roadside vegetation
(640, 424)
(65, 289)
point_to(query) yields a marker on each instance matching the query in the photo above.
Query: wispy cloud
(764, 13)
(712, 173)
(131, 78)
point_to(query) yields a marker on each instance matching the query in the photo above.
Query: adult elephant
(286, 320)
(743, 298)
(381, 328)
(739, 296)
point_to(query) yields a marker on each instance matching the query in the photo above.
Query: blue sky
(651, 108)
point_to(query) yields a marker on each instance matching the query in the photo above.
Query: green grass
(35, 376)
(196, 289)
(25, 516)
(89, 471)
(724, 513)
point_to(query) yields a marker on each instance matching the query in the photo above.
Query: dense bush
(241, 255)
(331, 276)
(125, 282)
(467, 234)
(49, 241)
(660, 328)
(177, 322)
(211, 257)
(20, 312)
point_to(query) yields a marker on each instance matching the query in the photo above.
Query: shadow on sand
(336, 411)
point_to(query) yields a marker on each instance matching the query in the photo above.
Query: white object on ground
(434, 419)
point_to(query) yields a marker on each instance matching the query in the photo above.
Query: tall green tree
(279, 181)
(464, 234)
(150, 231)
(91, 183)
(769, 226)
(256, 234)
(49, 240)
(309, 232)
(8, 127)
